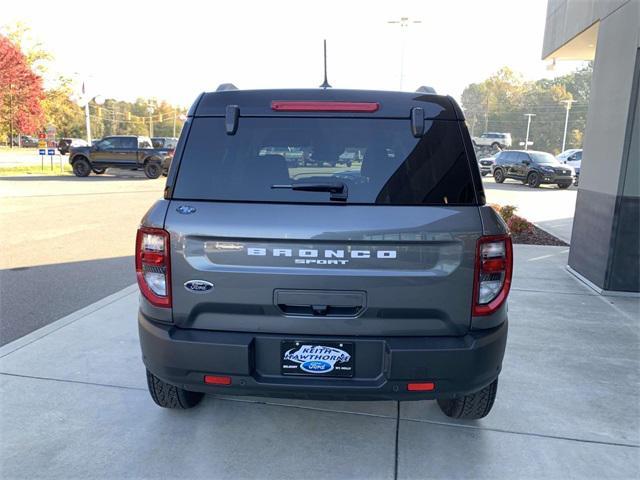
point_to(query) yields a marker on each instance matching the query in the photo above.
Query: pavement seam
(397, 451)
(526, 434)
(80, 382)
(52, 327)
(301, 407)
(531, 290)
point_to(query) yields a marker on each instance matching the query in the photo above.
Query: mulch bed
(537, 236)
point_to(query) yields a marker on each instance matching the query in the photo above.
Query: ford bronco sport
(385, 278)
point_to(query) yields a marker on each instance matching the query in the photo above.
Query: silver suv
(493, 139)
(382, 278)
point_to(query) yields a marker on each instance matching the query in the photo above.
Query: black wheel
(474, 406)
(152, 170)
(495, 145)
(81, 167)
(564, 185)
(498, 176)
(170, 396)
(533, 180)
(99, 171)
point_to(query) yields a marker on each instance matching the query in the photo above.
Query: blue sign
(51, 151)
(42, 151)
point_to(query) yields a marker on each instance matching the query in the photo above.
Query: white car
(493, 139)
(572, 157)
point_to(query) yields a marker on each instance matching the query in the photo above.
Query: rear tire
(564, 185)
(473, 406)
(498, 176)
(81, 167)
(533, 180)
(170, 396)
(152, 170)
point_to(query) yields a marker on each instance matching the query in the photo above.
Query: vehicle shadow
(33, 297)
(517, 186)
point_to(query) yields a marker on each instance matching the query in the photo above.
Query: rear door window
(378, 160)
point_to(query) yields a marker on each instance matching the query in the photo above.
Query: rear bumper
(383, 365)
(551, 178)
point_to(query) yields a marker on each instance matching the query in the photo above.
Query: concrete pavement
(74, 404)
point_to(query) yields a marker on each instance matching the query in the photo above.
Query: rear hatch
(323, 226)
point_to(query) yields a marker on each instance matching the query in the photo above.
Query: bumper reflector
(421, 386)
(217, 380)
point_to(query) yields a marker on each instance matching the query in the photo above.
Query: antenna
(325, 84)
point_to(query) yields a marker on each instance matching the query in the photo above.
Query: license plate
(321, 359)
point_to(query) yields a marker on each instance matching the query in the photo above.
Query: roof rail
(425, 89)
(225, 87)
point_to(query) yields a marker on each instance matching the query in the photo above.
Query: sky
(174, 50)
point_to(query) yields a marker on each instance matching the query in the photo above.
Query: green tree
(503, 99)
(62, 112)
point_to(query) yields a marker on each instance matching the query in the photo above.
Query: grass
(36, 170)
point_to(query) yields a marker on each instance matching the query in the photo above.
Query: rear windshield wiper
(338, 190)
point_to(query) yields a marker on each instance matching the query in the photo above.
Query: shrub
(519, 225)
(507, 212)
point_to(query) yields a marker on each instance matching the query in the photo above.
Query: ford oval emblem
(198, 286)
(185, 209)
(316, 366)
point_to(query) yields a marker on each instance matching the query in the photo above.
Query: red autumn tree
(20, 92)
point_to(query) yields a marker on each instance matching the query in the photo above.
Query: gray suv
(382, 278)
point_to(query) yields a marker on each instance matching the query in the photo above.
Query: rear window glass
(377, 160)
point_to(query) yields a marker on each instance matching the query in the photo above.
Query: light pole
(526, 141)
(566, 121)
(404, 22)
(86, 99)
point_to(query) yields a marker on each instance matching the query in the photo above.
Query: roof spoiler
(225, 87)
(425, 89)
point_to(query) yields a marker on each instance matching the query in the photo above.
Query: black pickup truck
(125, 151)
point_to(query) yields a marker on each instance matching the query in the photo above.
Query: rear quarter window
(378, 160)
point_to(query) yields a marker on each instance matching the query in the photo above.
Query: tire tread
(170, 396)
(473, 406)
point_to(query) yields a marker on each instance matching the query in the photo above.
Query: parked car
(385, 281)
(128, 152)
(25, 141)
(65, 144)
(486, 165)
(532, 168)
(493, 139)
(572, 157)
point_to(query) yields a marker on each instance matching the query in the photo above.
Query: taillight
(492, 277)
(153, 268)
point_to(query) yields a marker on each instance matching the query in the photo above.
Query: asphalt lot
(66, 242)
